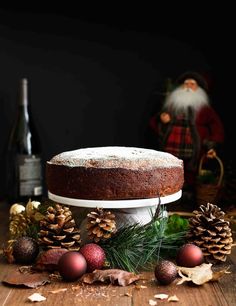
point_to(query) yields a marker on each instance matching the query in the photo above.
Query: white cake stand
(126, 211)
(116, 204)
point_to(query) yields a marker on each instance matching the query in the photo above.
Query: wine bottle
(24, 162)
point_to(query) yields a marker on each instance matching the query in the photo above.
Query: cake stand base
(126, 211)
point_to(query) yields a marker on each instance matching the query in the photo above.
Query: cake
(114, 173)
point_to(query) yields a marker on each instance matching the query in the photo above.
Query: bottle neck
(23, 92)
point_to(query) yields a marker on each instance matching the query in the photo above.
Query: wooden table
(222, 292)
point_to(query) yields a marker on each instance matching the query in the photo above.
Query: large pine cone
(101, 224)
(58, 229)
(211, 233)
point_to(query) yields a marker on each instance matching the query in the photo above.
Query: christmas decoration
(72, 265)
(137, 246)
(25, 250)
(58, 229)
(131, 248)
(19, 225)
(209, 231)
(165, 272)
(23, 219)
(101, 224)
(94, 255)
(189, 255)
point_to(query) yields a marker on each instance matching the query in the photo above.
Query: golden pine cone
(22, 218)
(209, 231)
(58, 229)
(18, 225)
(101, 224)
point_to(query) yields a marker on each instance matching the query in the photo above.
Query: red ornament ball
(189, 255)
(72, 265)
(94, 255)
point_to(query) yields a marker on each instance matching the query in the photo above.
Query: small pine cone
(101, 224)
(58, 229)
(209, 231)
(18, 225)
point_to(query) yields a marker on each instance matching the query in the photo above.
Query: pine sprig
(136, 246)
(121, 249)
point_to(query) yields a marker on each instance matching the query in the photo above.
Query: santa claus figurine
(187, 125)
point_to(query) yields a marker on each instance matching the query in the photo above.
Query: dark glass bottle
(24, 163)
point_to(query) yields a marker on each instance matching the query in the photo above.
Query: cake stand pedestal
(126, 211)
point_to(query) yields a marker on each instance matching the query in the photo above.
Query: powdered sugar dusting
(116, 157)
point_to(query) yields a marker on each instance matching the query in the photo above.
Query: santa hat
(195, 76)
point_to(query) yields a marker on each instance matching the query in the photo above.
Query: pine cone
(23, 219)
(101, 224)
(211, 233)
(58, 229)
(18, 225)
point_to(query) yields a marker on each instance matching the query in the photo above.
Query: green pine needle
(137, 247)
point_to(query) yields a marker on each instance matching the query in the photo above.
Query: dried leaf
(161, 296)
(173, 298)
(198, 275)
(114, 276)
(31, 280)
(36, 297)
(48, 260)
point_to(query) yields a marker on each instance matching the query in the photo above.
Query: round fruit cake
(114, 173)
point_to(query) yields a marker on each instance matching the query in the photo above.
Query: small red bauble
(189, 255)
(165, 272)
(94, 255)
(72, 265)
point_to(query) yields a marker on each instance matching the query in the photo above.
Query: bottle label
(30, 175)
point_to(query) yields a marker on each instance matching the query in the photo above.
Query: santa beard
(181, 99)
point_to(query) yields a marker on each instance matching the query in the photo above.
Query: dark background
(96, 76)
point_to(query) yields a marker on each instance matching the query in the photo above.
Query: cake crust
(114, 173)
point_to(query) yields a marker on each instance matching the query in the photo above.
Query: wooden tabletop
(220, 293)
